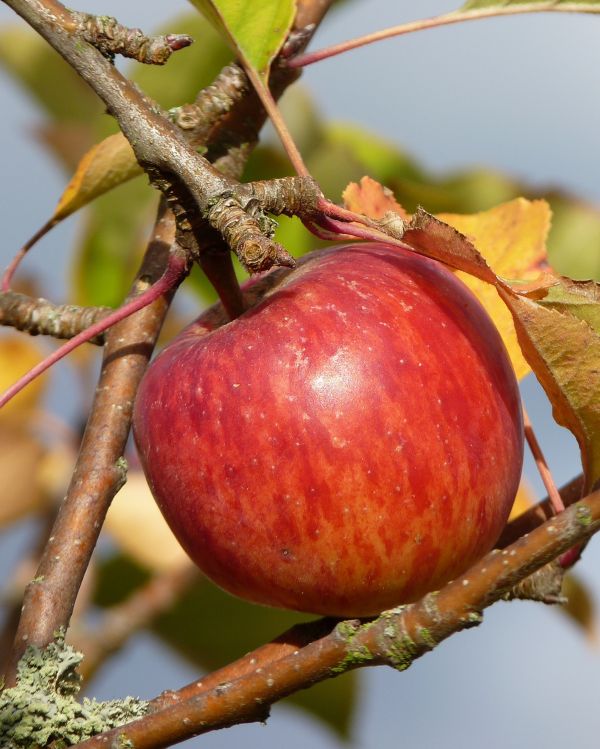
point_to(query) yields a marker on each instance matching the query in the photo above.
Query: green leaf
(212, 628)
(536, 5)
(256, 31)
(574, 244)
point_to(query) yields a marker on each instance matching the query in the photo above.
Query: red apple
(348, 444)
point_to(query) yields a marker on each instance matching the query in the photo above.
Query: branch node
(248, 232)
(112, 38)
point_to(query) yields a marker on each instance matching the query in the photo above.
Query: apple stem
(218, 268)
(16, 261)
(173, 275)
(542, 466)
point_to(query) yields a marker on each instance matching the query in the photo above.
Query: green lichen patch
(355, 657)
(401, 652)
(42, 707)
(426, 638)
(583, 515)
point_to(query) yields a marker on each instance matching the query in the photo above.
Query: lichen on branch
(42, 707)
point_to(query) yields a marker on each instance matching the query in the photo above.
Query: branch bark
(41, 317)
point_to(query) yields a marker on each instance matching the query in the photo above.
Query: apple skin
(347, 445)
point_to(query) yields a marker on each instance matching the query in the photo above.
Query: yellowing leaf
(564, 351)
(19, 354)
(512, 238)
(105, 166)
(20, 454)
(523, 501)
(580, 607)
(506, 241)
(137, 525)
(371, 199)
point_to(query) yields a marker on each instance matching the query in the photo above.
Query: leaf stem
(436, 21)
(16, 261)
(268, 102)
(173, 274)
(542, 466)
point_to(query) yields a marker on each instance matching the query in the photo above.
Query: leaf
(18, 354)
(574, 244)
(20, 455)
(564, 350)
(512, 238)
(137, 525)
(212, 628)
(580, 607)
(256, 31)
(105, 166)
(537, 5)
(371, 199)
(523, 501)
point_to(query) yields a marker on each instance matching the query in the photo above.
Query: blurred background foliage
(208, 627)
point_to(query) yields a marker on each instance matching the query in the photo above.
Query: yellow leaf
(137, 525)
(512, 239)
(105, 166)
(20, 455)
(523, 501)
(18, 354)
(371, 199)
(580, 607)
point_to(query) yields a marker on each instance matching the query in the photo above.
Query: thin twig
(437, 21)
(173, 275)
(112, 38)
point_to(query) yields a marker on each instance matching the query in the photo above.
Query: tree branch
(100, 470)
(397, 638)
(191, 184)
(41, 317)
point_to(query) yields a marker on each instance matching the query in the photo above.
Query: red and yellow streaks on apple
(348, 444)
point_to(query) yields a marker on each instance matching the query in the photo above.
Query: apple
(351, 442)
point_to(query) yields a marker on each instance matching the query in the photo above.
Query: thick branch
(100, 469)
(396, 638)
(188, 180)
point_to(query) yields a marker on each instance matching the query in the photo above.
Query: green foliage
(211, 628)
(255, 31)
(42, 707)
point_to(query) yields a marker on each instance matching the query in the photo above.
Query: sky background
(516, 94)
